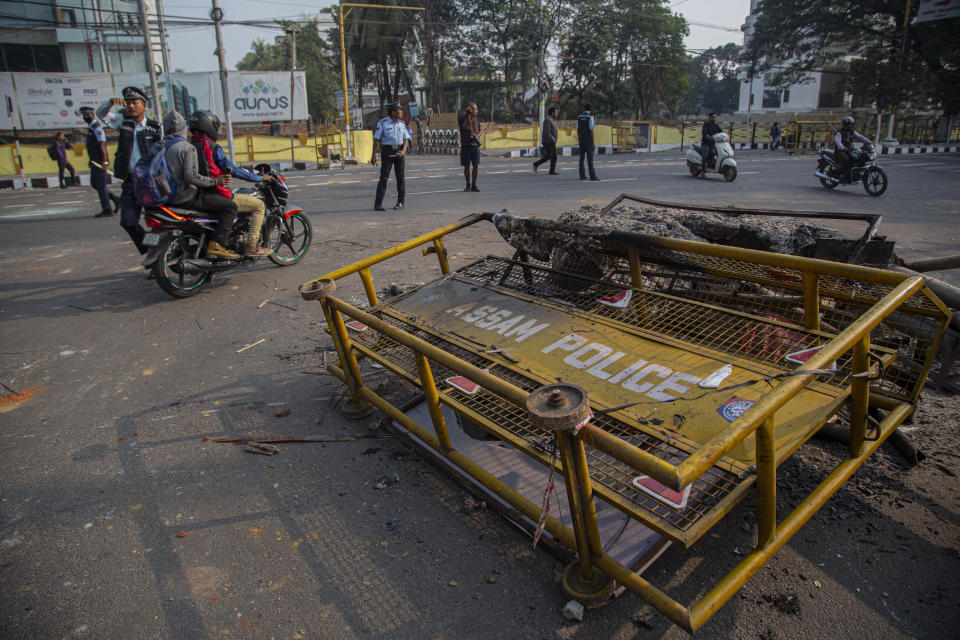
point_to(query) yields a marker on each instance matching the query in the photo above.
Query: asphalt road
(117, 518)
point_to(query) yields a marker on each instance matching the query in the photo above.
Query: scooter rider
(196, 191)
(841, 144)
(213, 162)
(137, 134)
(707, 148)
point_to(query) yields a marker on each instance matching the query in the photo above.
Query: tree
(864, 39)
(626, 57)
(713, 81)
(314, 56)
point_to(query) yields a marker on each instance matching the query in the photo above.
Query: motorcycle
(863, 168)
(178, 238)
(723, 162)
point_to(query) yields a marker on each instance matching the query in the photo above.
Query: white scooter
(723, 162)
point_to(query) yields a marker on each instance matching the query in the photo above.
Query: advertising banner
(9, 118)
(938, 10)
(261, 97)
(53, 100)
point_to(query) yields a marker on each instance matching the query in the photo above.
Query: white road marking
(10, 206)
(69, 202)
(423, 193)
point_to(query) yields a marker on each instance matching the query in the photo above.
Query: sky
(192, 47)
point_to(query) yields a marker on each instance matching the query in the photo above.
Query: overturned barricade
(657, 379)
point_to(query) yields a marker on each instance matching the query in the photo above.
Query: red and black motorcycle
(178, 239)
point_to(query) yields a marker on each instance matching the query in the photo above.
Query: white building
(759, 93)
(76, 36)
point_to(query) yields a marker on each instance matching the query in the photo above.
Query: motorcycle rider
(213, 162)
(842, 140)
(707, 147)
(197, 191)
(137, 134)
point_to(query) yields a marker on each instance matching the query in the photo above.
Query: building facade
(759, 92)
(78, 36)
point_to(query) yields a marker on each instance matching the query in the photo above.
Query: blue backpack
(153, 185)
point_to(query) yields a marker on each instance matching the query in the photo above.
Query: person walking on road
(548, 138)
(774, 136)
(392, 139)
(137, 134)
(99, 163)
(61, 146)
(470, 146)
(585, 125)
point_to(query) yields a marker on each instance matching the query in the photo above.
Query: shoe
(595, 179)
(534, 167)
(399, 205)
(256, 251)
(466, 188)
(219, 251)
(554, 173)
(106, 213)
(474, 188)
(583, 177)
(379, 208)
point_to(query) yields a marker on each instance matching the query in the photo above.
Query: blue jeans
(589, 156)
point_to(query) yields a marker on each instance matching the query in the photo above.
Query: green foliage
(625, 57)
(865, 40)
(713, 81)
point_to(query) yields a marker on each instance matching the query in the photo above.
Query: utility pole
(292, 30)
(105, 63)
(148, 52)
(216, 14)
(165, 54)
(540, 103)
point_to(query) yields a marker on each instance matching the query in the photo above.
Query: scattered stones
(573, 610)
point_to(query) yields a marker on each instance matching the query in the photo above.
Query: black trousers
(843, 162)
(549, 153)
(214, 204)
(63, 164)
(130, 214)
(707, 151)
(388, 160)
(98, 180)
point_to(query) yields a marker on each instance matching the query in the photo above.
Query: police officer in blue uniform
(585, 124)
(390, 142)
(137, 134)
(99, 162)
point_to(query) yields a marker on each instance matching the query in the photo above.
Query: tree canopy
(887, 58)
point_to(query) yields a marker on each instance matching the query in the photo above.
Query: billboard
(265, 96)
(53, 100)
(938, 10)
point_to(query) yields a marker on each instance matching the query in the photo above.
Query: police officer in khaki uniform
(391, 139)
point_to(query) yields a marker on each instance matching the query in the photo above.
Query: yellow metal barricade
(690, 372)
(807, 136)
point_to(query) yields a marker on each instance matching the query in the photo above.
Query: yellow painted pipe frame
(772, 536)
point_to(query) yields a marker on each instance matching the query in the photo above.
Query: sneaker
(399, 205)
(106, 213)
(466, 188)
(595, 179)
(534, 167)
(379, 208)
(256, 251)
(554, 173)
(219, 251)
(474, 188)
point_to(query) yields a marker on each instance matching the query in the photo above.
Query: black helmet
(847, 122)
(204, 122)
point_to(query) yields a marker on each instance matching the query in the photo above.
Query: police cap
(86, 110)
(134, 93)
(393, 105)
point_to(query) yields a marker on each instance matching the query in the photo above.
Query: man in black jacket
(707, 148)
(137, 134)
(548, 137)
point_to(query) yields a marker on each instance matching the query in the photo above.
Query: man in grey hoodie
(548, 136)
(196, 191)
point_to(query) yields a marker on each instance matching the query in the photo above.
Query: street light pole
(292, 29)
(148, 52)
(346, 101)
(216, 14)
